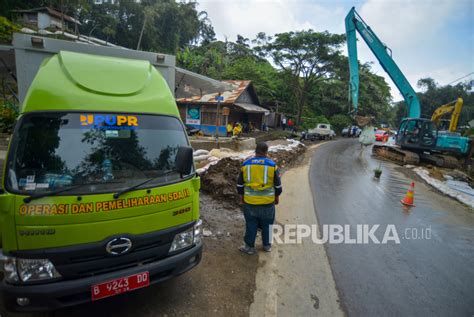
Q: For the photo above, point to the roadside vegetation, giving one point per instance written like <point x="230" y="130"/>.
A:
<point x="302" y="73"/>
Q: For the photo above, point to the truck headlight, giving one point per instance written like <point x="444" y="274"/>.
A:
<point x="31" y="270"/>
<point x="198" y="232"/>
<point x="182" y="240"/>
<point x="9" y="270"/>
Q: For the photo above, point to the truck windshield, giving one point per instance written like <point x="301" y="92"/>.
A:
<point x="102" y="152"/>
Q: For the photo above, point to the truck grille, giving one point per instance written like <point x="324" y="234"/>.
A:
<point x="92" y="259"/>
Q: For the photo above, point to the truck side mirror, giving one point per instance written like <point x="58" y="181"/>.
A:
<point x="184" y="160"/>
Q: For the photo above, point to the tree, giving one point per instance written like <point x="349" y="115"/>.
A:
<point x="100" y="22"/>
<point x="427" y="83"/>
<point x="374" y="94"/>
<point x="262" y="74"/>
<point x="307" y="56"/>
<point x="340" y="121"/>
<point x="435" y="95"/>
<point x="151" y="25"/>
<point x="7" y="5"/>
<point x="206" y="30"/>
<point x="208" y="60"/>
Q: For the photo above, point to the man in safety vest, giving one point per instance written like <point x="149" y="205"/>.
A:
<point x="229" y="129"/>
<point x="237" y="129"/>
<point x="259" y="186"/>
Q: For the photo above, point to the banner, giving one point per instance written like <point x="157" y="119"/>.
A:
<point x="193" y="115"/>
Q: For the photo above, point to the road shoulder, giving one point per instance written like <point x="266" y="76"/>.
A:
<point x="296" y="279"/>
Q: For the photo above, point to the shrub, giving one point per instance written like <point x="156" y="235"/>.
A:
<point x="310" y="123"/>
<point x="9" y="113"/>
<point x="6" y="30"/>
<point x="339" y="122"/>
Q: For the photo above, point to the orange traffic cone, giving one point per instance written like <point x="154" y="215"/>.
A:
<point x="410" y="196"/>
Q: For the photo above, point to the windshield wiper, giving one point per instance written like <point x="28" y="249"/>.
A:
<point x="133" y="187"/>
<point x="54" y="192"/>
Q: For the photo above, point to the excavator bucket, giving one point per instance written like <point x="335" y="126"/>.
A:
<point x="362" y="121"/>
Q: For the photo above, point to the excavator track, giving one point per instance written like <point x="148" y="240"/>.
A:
<point x="441" y="160"/>
<point x="394" y="153"/>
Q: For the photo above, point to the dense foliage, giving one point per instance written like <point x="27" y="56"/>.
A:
<point x="302" y="73"/>
<point x="434" y="96"/>
<point x="6" y="30"/>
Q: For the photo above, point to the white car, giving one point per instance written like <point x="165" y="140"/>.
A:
<point x="322" y="132"/>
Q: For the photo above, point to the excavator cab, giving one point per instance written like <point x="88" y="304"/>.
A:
<point x="417" y="134"/>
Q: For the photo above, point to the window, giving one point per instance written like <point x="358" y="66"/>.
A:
<point x="209" y="118"/>
<point x="55" y="150"/>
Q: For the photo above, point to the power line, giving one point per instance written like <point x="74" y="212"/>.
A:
<point x="461" y="78"/>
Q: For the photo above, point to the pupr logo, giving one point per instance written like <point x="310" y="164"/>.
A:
<point x="111" y="120"/>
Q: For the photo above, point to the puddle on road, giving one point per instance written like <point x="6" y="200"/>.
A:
<point x="393" y="183"/>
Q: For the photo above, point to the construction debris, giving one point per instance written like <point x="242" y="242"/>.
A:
<point x="219" y="176"/>
<point x="447" y="185"/>
<point x="367" y="136"/>
<point x="435" y="173"/>
<point x="206" y="233"/>
<point x="220" y="179"/>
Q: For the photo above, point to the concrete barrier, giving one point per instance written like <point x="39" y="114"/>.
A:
<point x="209" y="143"/>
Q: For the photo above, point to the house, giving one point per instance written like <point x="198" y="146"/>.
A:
<point x="45" y="17"/>
<point x="241" y="100"/>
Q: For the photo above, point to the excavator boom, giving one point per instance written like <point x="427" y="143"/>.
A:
<point x="355" y="23"/>
<point x="416" y="136"/>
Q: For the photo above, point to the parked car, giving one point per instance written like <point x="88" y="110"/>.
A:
<point x="190" y="130"/>
<point x="321" y="132"/>
<point x="381" y="135"/>
<point x="345" y="131"/>
<point x="350" y="130"/>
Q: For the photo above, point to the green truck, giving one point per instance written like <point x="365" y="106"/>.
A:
<point x="99" y="196"/>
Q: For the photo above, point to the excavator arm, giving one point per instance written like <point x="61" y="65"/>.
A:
<point x="453" y="107"/>
<point x="415" y="135"/>
<point x="355" y="23"/>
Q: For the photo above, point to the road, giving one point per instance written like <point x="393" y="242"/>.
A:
<point x="295" y="279"/>
<point x="432" y="276"/>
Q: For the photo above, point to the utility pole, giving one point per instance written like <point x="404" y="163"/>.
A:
<point x="218" y="98"/>
<point x="141" y="32"/>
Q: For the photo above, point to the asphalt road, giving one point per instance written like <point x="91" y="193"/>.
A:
<point x="432" y="275"/>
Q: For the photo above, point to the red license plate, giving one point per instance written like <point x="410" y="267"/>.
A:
<point x="120" y="285"/>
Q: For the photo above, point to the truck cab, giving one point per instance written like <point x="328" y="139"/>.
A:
<point x="100" y="195"/>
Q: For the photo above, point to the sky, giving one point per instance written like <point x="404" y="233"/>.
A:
<point x="428" y="38"/>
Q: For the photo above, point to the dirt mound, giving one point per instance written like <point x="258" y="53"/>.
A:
<point x="284" y="158"/>
<point x="435" y="173"/>
<point x="220" y="179"/>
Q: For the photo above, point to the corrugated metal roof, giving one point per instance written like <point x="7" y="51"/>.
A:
<point x="230" y="96"/>
<point x="248" y="107"/>
<point x="189" y="84"/>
